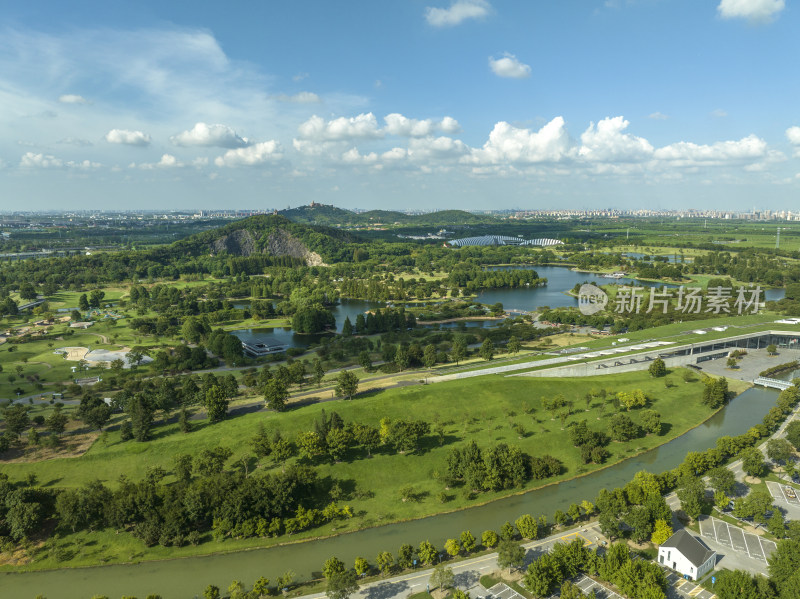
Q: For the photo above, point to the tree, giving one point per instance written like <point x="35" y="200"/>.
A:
<point x="16" y="418"/>
<point x="429" y="356"/>
<point x="657" y="368"/>
<point x="661" y="532"/>
<point x="622" y="428"/>
<point x="489" y="538"/>
<point x="507" y="531"/>
<point x="510" y="554"/>
<point x="211" y="461"/>
<point x="261" y="587"/>
<point x="365" y="360"/>
<point x="342" y="585"/>
<point x="318" y="371"/>
<point x="543" y="576"/>
<point x="183" y="467"/>
<point x="692" y="493"/>
<point x="141" y="414"/>
<point x="83" y="303"/>
<point x="346" y="384"/>
<point x="793" y="433"/>
<point x="402" y="358"/>
<point x="784" y="561"/>
<point x="216" y="404"/>
<point x="275" y="394"/>
<point x="731" y="363"/>
<point x="468" y="541"/>
<point x="405" y="556"/>
<point x="442" y="577"/>
<point x="96" y="297"/>
<point x="459" y="350"/>
<point x="738" y="584"/>
<point x="772" y="349"/>
<point x="333" y="565"/>
<point x="385" y="562"/>
<point x="347" y="327"/>
<point x="632" y="399"/>
<point x="779" y="450"/>
<point x="651" y="421"/>
<point x="453" y="547"/>
<point x="722" y="479"/>
<point x="361" y="566"/>
<point x="427" y="553"/>
<point x="56" y="423"/>
<point x="183" y="421"/>
<point x="487" y="349"/>
<point x="211" y="592"/>
<point x="513" y="345"/>
<point x="753" y="462"/>
<point x="638" y="519"/>
<point x="527" y="526"/>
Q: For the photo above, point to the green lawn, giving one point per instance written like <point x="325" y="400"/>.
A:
<point x="484" y="409"/>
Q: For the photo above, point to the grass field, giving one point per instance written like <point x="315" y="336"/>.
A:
<point x="487" y="410"/>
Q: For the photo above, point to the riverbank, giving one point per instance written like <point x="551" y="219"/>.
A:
<point x="464" y="410"/>
<point x="187" y="577"/>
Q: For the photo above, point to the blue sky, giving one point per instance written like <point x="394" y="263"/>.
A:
<point x="400" y="104"/>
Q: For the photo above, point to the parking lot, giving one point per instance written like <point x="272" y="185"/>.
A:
<point x="783" y="493"/>
<point x="586" y="585"/>
<point x="737" y="539"/>
<point x="503" y="591"/>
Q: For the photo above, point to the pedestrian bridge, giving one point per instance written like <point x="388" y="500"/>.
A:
<point x="772" y="383"/>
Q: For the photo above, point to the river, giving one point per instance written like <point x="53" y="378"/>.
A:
<point x="186" y="578"/>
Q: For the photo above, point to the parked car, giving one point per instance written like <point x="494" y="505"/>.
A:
<point x="789" y="492"/>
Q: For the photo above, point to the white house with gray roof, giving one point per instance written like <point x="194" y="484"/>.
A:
<point x="686" y="555"/>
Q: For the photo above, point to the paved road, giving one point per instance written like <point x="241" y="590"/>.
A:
<point x="467" y="572"/>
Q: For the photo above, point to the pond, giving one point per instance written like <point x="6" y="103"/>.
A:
<point x="285" y="336"/>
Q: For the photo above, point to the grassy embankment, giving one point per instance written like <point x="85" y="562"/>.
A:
<point x="467" y="410"/>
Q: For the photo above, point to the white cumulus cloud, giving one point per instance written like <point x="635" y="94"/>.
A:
<point x="752" y="10"/>
<point x="202" y="134"/>
<point x="509" y="144"/>
<point x="363" y="126"/>
<point x="509" y="66"/>
<point x="259" y="153"/>
<point x="34" y="160"/>
<point x="457" y="12"/>
<point x="397" y="124"/>
<point x="73" y="99"/>
<point x="352" y="156"/>
<point x="686" y="153"/>
<point x="607" y="142"/>
<point x="130" y="138"/>
<point x="793" y="135"/>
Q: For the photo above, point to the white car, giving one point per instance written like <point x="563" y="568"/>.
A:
<point x="789" y="492"/>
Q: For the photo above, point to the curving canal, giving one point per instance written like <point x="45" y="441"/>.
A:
<point x="186" y="578"/>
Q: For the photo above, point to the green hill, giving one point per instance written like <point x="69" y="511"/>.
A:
<point x="270" y="234"/>
<point x="320" y="214"/>
<point x="323" y="214"/>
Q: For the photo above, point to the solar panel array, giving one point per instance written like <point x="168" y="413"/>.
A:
<point x="503" y="240"/>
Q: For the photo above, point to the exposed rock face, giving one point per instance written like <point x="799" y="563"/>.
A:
<point x="279" y="243"/>
<point x="238" y="243"/>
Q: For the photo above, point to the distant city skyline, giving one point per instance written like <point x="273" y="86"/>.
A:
<point x="419" y="104"/>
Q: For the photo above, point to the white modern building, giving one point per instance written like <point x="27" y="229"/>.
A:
<point x="686" y="555"/>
